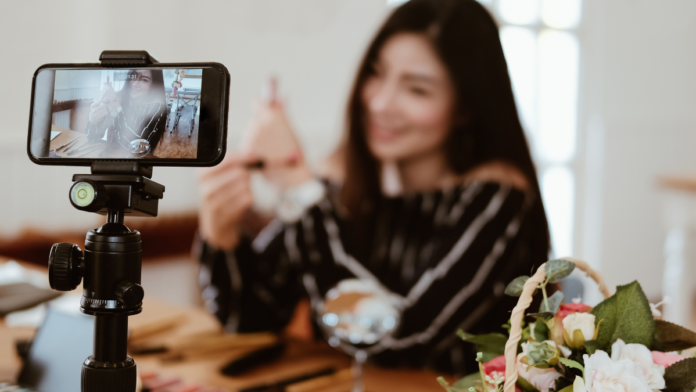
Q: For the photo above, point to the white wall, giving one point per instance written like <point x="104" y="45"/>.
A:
<point x="311" y="45"/>
<point x="638" y="97"/>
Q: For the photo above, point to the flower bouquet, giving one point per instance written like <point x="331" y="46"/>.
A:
<point x="616" y="346"/>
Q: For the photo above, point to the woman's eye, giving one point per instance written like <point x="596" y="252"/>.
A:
<point x="418" y="90"/>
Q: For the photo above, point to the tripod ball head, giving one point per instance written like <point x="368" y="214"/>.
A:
<point x="65" y="266"/>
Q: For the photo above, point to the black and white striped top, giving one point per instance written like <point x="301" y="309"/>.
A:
<point x="447" y="255"/>
<point x="140" y="121"/>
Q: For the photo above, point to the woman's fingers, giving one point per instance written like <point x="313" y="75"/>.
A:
<point x="97" y="113"/>
<point x="225" y="199"/>
<point x="224" y="181"/>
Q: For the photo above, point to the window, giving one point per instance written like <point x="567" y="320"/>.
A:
<point x="543" y="55"/>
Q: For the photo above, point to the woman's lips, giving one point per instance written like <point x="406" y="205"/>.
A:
<point x="382" y="134"/>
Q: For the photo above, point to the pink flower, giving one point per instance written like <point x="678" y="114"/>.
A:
<point x="665" y="359"/>
<point x="496" y="364"/>
<point x="568" y="309"/>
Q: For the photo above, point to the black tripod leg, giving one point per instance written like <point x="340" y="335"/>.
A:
<point x="110" y="369"/>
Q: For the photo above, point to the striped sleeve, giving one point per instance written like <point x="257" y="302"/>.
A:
<point x="250" y="291"/>
<point x="257" y="286"/>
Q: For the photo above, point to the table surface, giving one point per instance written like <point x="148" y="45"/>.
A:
<point x="300" y="356"/>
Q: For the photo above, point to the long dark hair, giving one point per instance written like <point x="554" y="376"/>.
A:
<point x="156" y="93"/>
<point x="466" y="39"/>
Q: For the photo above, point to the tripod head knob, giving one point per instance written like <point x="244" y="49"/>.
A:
<point x="130" y="293"/>
<point x="65" y="264"/>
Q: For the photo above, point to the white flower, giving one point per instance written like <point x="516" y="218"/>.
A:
<point x="541" y="379"/>
<point x="642" y="357"/>
<point x="604" y="375"/>
<point x="583" y="322"/>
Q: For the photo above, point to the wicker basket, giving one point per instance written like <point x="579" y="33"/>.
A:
<point x="522" y="305"/>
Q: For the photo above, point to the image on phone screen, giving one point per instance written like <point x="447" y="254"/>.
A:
<point x="126" y="113"/>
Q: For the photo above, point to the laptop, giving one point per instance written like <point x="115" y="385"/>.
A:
<point x="54" y="361"/>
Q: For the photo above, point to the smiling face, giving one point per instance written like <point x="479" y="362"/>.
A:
<point x="141" y="85"/>
<point x="408" y="100"/>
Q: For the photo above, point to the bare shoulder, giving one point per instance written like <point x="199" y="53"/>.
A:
<point x="498" y="171"/>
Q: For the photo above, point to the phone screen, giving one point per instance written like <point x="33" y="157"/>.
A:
<point x="149" y="113"/>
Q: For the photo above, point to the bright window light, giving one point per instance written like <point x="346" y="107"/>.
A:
<point x="520" y="47"/>
<point x="395" y="3"/>
<point x="520" y="12"/>
<point x="561" y="14"/>
<point x="558" y="90"/>
<point x="558" y="192"/>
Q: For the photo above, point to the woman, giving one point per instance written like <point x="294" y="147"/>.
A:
<point x="432" y="101"/>
<point x="132" y="120"/>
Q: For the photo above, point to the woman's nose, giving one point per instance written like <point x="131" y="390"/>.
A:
<point x="383" y="97"/>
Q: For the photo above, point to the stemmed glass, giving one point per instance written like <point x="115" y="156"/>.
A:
<point x="355" y="315"/>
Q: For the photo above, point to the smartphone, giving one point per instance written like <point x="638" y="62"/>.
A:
<point x="156" y="114"/>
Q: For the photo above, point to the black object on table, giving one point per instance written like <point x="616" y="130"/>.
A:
<point x="281" y="384"/>
<point x="253" y="359"/>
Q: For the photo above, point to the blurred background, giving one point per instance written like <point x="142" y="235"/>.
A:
<point x="606" y="91"/>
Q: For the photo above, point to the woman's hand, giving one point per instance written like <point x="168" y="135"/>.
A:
<point x="271" y="138"/>
<point x="225" y="198"/>
<point x="97" y="112"/>
<point x="108" y="96"/>
<point x="103" y="106"/>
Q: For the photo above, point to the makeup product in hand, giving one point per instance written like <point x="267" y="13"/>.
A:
<point x="289" y="161"/>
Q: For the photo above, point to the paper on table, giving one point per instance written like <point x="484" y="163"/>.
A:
<point x="54" y="134"/>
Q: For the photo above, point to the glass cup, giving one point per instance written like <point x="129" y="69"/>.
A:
<point x="355" y="315"/>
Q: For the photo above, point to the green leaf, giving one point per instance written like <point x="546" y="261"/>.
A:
<point x="554" y="301"/>
<point x="452" y="388"/>
<point x="591" y="346"/>
<point x="672" y="337"/>
<point x="681" y="376"/>
<point x="514" y="288"/>
<point x="490" y="343"/>
<point x="525" y="385"/>
<point x="569" y="388"/>
<point x="572" y="364"/>
<point x="472" y="380"/>
<point x="541" y="331"/>
<point x="625" y="315"/>
<point x="557" y="270"/>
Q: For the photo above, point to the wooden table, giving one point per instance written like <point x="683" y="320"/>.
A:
<point x="300" y="356"/>
<point x="81" y="144"/>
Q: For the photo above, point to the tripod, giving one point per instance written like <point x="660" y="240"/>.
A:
<point x="110" y="266"/>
